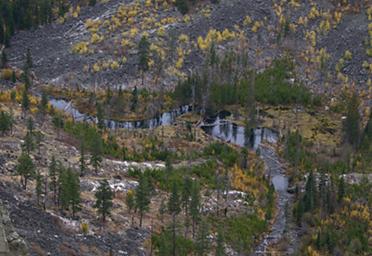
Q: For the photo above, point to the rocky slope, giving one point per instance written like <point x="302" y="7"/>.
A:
<point x="99" y="47"/>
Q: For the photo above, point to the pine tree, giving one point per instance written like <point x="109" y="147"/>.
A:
<point x="100" y="117"/>
<point x="14" y="77"/>
<point x="69" y="195"/>
<point x="30" y="125"/>
<point x="43" y="104"/>
<point x="134" y="100"/>
<point x="82" y="158"/>
<point x="185" y="199"/>
<point x="130" y="200"/>
<point x="104" y="197"/>
<point x="143" y="51"/>
<point x="299" y="211"/>
<point x="25" y="168"/>
<point x="202" y="243"/>
<point x="341" y="189"/>
<point x="174" y="208"/>
<point x="310" y="193"/>
<point x="142" y="197"/>
<point x="4" y="59"/>
<point x="162" y="210"/>
<point x="195" y="206"/>
<point x="182" y="6"/>
<point x="39" y="187"/>
<point x="6" y="122"/>
<point x="96" y="154"/>
<point x="2" y="32"/>
<point x="220" y="250"/>
<point x="53" y="174"/>
<point x="28" y="144"/>
<point x="352" y="122"/>
<point x="58" y="122"/>
<point x="25" y="101"/>
<point x="29" y="62"/>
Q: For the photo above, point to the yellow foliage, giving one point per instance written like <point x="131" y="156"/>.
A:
<point x="124" y="42"/>
<point x="337" y="17"/>
<point x="96" y="67"/>
<point x="325" y="26"/>
<point x="369" y="13"/>
<point x="186" y="19"/>
<point x="161" y="31"/>
<point x="96" y="38"/>
<point x="114" y="65"/>
<point x="92" y="25"/>
<point x="243" y="182"/>
<point x="76" y="13"/>
<point x="133" y="32"/>
<point x="314" y="13"/>
<point x="295" y="3"/>
<point x="6" y="73"/>
<point x="348" y="55"/>
<point x="150" y="63"/>
<point x="247" y="20"/>
<point x="81" y="48"/>
<point x="256" y="26"/>
<point x="311" y="252"/>
<point x="311" y="36"/>
<point x="302" y="21"/>
<point x="183" y="38"/>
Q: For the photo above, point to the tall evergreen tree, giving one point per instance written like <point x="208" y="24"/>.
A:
<point x="130" y="200"/>
<point x="39" y="187"/>
<point x="195" y="206"/>
<point x="25" y="168"/>
<point x="174" y="208"/>
<point x="352" y="122"/>
<point x="143" y="51"/>
<point x="96" y="154"/>
<point x="4" y="59"/>
<point x="69" y="191"/>
<point x="104" y="197"/>
<point x="100" y="117"/>
<point x="341" y="189"/>
<point x="25" y="101"/>
<point x="185" y="199"/>
<point x="134" y="100"/>
<point x="202" y="243"/>
<point x="82" y="158"/>
<point x="43" y="105"/>
<point x="6" y="122"/>
<point x="29" y="62"/>
<point x="310" y="193"/>
<point x="53" y="175"/>
<point x="142" y="197"/>
<point x="28" y="143"/>
<point x="220" y="250"/>
<point x="182" y="6"/>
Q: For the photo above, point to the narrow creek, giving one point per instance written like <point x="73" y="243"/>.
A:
<point x="166" y="118"/>
<point x="262" y="139"/>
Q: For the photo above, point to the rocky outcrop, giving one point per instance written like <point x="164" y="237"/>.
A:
<point x="11" y="243"/>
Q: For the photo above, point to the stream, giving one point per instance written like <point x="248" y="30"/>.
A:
<point x="218" y="127"/>
<point x="166" y="118"/>
<point x="260" y="140"/>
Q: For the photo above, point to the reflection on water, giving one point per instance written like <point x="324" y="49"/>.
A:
<point x="230" y="132"/>
<point x="165" y="118"/>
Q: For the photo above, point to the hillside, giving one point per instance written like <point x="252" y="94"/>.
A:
<point x="99" y="46"/>
<point x="185" y="127"/>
